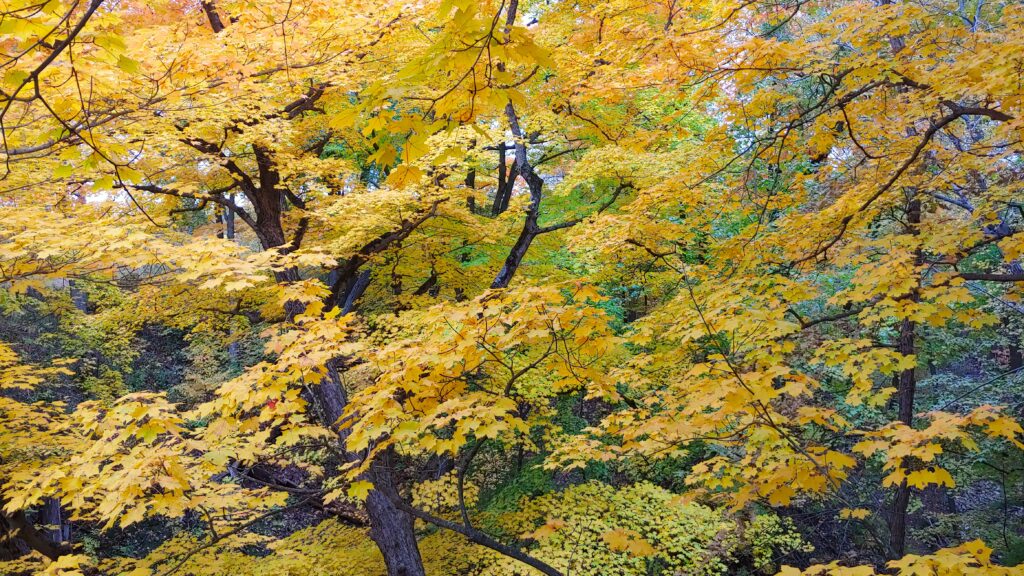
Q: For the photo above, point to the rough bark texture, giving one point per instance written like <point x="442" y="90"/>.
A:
<point x="907" y="387"/>
<point x="56" y="529"/>
<point x="391" y="528"/>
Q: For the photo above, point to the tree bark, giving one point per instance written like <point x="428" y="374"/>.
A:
<point x="55" y="529"/>
<point x="18" y="536"/>
<point x="905" y="398"/>
<point x="531" y="229"/>
<point x="360" y="286"/>
<point x="391" y="528"/>
<point x="229" y="220"/>
<point x="506" y="181"/>
<point x="211" y="14"/>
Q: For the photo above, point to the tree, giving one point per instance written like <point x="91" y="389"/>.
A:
<point x="494" y="260"/>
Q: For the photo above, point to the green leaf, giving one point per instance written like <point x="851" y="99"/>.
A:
<point x="128" y="65"/>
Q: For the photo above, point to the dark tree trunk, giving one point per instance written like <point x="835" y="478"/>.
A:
<point x="348" y="283"/>
<point x="331" y="397"/>
<point x="271" y="233"/>
<point x="531" y="228"/>
<point x="268" y="221"/>
<point x="229" y="220"/>
<point x="211" y="14"/>
<point x="27" y="538"/>
<point x="510" y="182"/>
<point x="518" y="252"/>
<point x="55" y="529"/>
<point x="905" y="401"/>
<point x="11" y="546"/>
<point x="391" y="528"/>
<point x="471" y="185"/>
<point x="360" y="286"/>
<point x="506" y="181"/>
<point x="496" y="207"/>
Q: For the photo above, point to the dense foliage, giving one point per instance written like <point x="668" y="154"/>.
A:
<point x="509" y="287"/>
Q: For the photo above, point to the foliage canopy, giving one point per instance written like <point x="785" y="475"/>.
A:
<point x="511" y="287"/>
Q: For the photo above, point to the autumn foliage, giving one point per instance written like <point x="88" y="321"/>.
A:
<point x="511" y="287"/>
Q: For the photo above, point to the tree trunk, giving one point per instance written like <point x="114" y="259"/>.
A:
<point x="211" y="14"/>
<point x="518" y="251"/>
<point x="905" y="400"/>
<point x="531" y="228"/>
<point x="471" y="185"/>
<point x="391" y="528"/>
<point x="506" y="180"/>
<point x="269" y="229"/>
<point x="360" y="286"/>
<point x="18" y="536"/>
<point x="271" y="235"/>
<point x="55" y="529"/>
<point x="11" y="546"/>
<point x="229" y="220"/>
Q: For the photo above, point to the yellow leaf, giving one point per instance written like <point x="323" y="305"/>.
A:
<point x="128" y="65"/>
<point x="360" y="489"/>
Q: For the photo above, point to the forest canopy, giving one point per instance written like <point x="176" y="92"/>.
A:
<point x="512" y="287"/>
